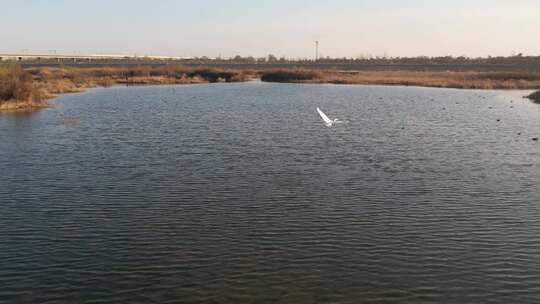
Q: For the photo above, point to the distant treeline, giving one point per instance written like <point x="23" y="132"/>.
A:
<point x="369" y="63"/>
<point x="368" y="59"/>
<point x="271" y="60"/>
<point x="361" y="63"/>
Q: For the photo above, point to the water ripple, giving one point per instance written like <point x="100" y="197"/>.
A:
<point x="238" y="194"/>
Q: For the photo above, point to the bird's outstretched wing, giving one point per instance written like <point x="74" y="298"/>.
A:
<point x="324" y="117"/>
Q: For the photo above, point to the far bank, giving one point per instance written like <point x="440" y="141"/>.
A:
<point x="29" y="89"/>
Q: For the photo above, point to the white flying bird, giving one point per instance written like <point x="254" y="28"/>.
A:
<point x="327" y="121"/>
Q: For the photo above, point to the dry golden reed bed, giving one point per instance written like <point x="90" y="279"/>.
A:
<point x="461" y="80"/>
<point x="18" y="90"/>
<point x="22" y="90"/>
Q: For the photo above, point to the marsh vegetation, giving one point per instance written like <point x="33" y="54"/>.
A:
<point x="461" y="80"/>
<point x="28" y="89"/>
<point x="18" y="89"/>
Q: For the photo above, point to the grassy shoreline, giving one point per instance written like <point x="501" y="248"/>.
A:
<point x="457" y="80"/>
<point x="27" y="90"/>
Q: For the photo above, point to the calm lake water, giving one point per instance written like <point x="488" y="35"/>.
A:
<point x="238" y="193"/>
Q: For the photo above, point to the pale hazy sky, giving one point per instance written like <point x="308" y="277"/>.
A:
<point x="281" y="27"/>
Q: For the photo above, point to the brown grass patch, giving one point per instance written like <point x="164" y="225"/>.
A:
<point x="108" y="76"/>
<point x="20" y="106"/>
<point x="461" y="80"/>
<point x="17" y="85"/>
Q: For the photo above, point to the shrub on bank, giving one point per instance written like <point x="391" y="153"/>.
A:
<point x="290" y="75"/>
<point x="535" y="97"/>
<point x="17" y="85"/>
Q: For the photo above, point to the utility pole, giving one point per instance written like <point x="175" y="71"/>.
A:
<point x="316" y="50"/>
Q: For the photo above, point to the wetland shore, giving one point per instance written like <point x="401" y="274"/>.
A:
<point x="30" y="89"/>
